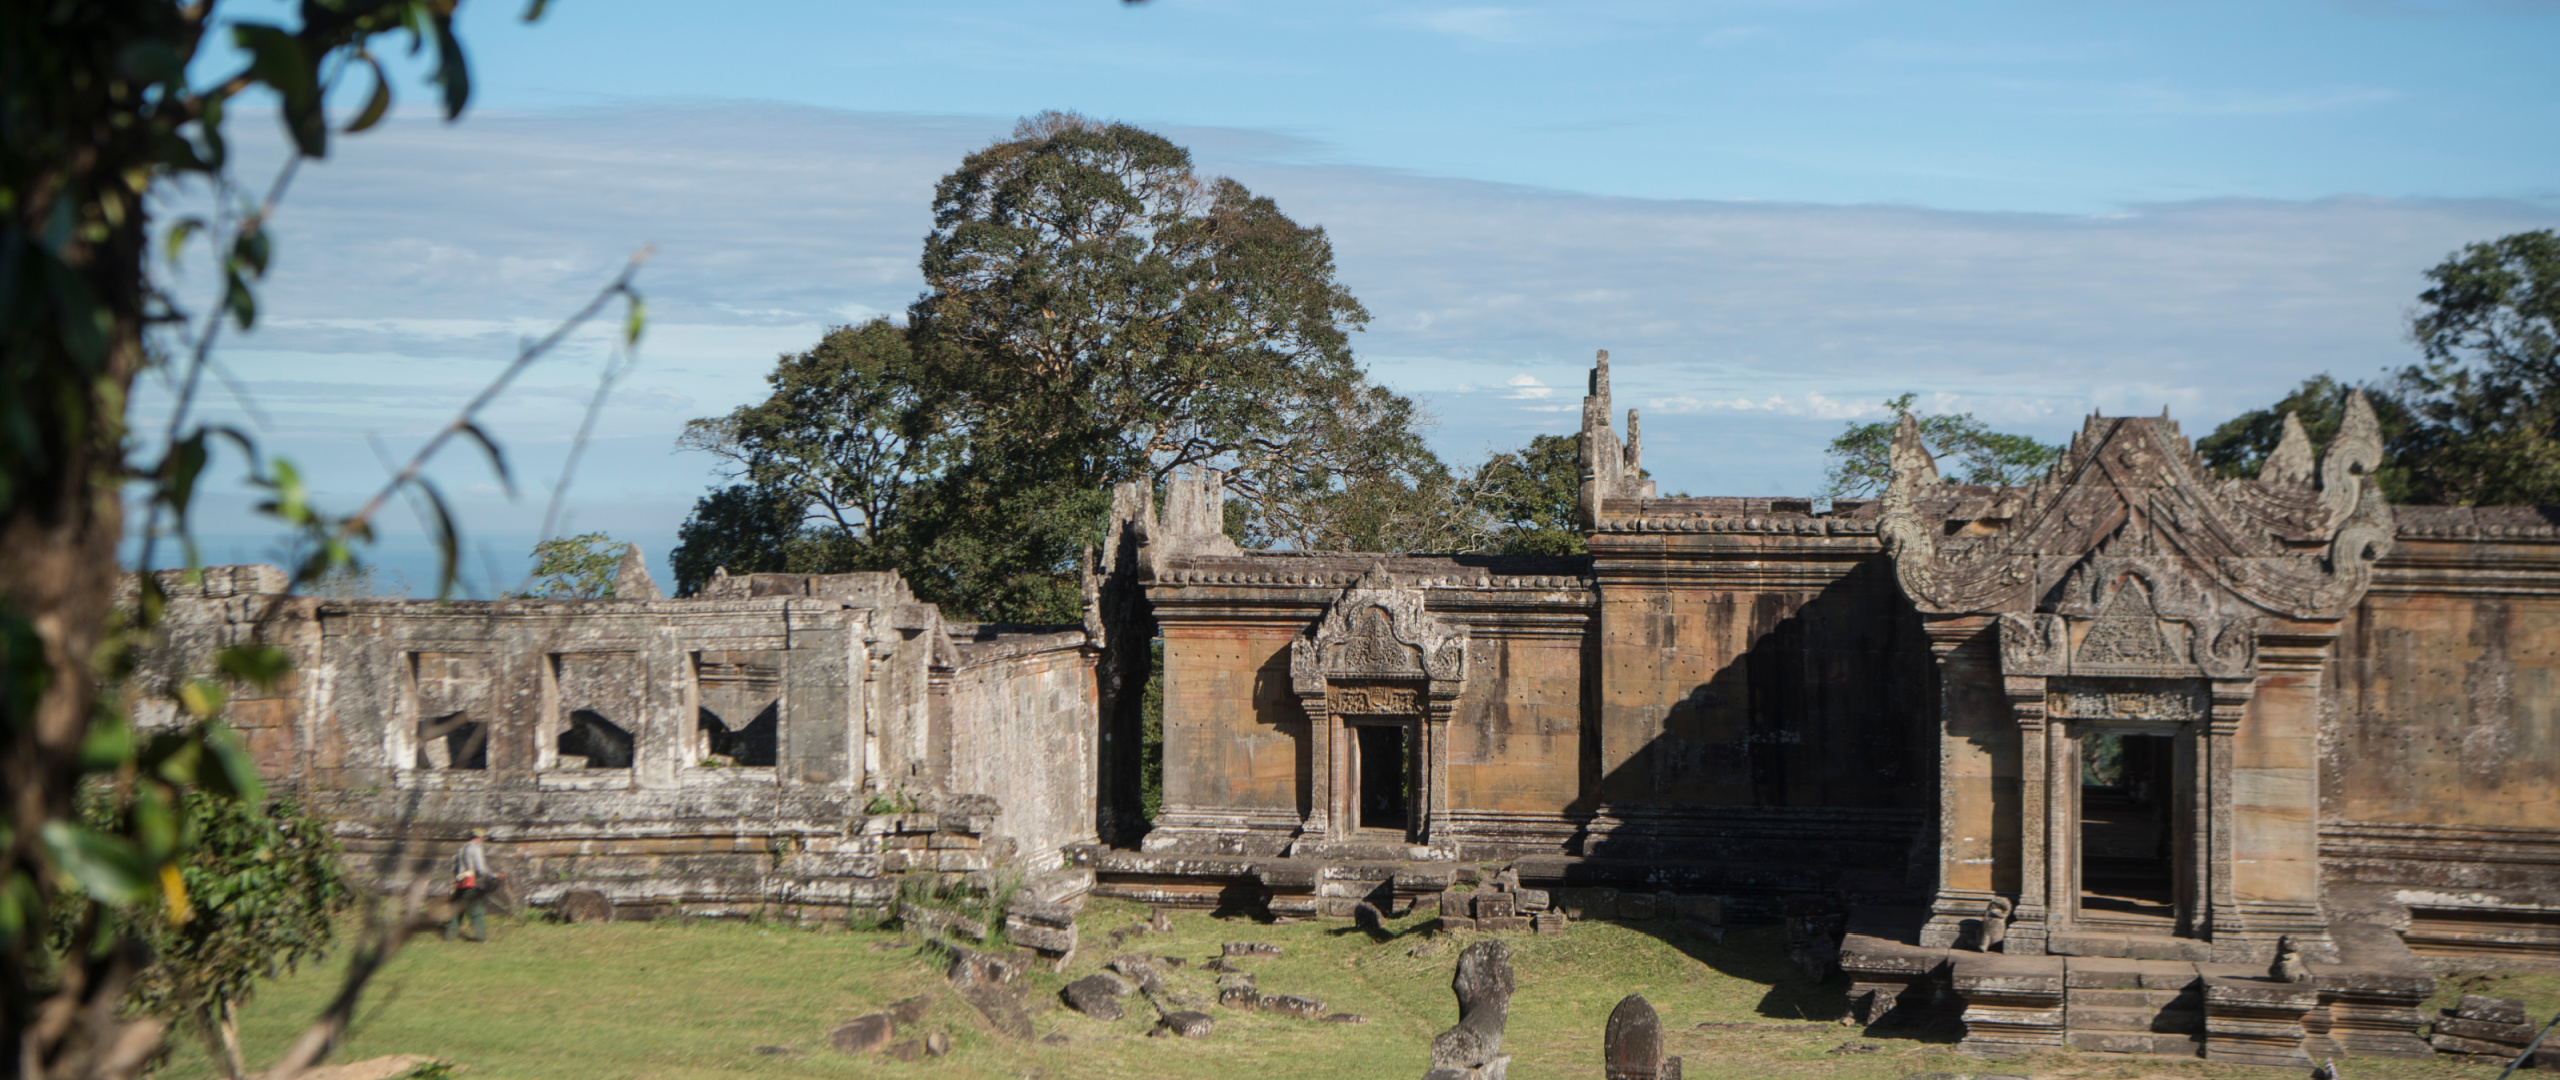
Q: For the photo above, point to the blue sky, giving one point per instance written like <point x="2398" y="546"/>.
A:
<point x="1773" y="214"/>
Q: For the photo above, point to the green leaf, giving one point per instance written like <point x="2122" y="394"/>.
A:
<point x="448" y="539"/>
<point x="237" y="775"/>
<point x="153" y="60"/>
<point x="277" y="59"/>
<point x="181" y="231"/>
<point x="379" y="103"/>
<point x="108" y="745"/>
<point x="453" y="71"/>
<point x="110" y="868"/>
<point x="262" y="666"/>
<point x="497" y="457"/>
<point x="634" y="320"/>
<point x="533" y="10"/>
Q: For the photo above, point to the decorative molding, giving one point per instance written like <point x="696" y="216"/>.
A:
<point x="1377" y="630"/>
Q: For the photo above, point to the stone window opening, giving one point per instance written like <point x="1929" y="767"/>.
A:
<point x="594" y="742"/>
<point x="595" y="702"/>
<point x="452" y="741"/>
<point x="2128" y="794"/>
<point x="756" y="745"/>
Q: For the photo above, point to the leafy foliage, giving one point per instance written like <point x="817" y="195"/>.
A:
<point x="101" y="116"/>
<point x="2485" y="401"/>
<point x="575" y="567"/>
<point x="1968" y="451"/>
<point x="1096" y="313"/>
<point x="264" y="889"/>
<point x="2242" y="443"/>
<point x="1531" y="495"/>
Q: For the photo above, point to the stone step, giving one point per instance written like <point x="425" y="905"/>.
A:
<point x="2086" y="1018"/>
<point x="2154" y="1000"/>
<point x="2138" y="1042"/>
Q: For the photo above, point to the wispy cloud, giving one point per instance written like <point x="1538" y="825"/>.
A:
<point x="1751" y="330"/>
<point x="1480" y="25"/>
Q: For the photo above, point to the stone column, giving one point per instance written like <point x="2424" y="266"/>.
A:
<point x="2044" y="810"/>
<point x="661" y="739"/>
<point x="1434" y="755"/>
<point x="1977" y="776"/>
<point x="1321" y="724"/>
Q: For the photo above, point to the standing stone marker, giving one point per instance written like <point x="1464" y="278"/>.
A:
<point x="1631" y="1046"/>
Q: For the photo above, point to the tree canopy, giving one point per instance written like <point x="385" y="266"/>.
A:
<point x="2241" y="444"/>
<point x="2477" y="420"/>
<point x="1967" y="449"/>
<point x="1096" y="312"/>
<point x="2485" y="400"/>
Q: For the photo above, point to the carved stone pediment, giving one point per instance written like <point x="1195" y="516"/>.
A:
<point x="2129" y="506"/>
<point x="1377" y="631"/>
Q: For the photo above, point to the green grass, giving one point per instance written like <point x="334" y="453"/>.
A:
<point x="676" y="999"/>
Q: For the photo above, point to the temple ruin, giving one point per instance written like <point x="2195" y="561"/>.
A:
<point x="2071" y="763"/>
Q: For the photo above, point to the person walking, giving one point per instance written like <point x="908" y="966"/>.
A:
<point x="472" y="880"/>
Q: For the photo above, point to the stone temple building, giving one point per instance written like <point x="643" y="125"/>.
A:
<point x="2070" y="763"/>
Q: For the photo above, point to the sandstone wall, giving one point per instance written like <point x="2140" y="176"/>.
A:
<point x="2440" y="765"/>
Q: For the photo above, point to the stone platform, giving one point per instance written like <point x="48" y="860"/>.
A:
<point x="2364" y="1005"/>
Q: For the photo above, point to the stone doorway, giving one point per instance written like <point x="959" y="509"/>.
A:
<point x="1382" y="768"/>
<point x="2129" y="797"/>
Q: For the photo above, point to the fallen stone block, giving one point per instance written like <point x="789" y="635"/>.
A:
<point x="2515" y="1035"/>
<point x="1288" y="1005"/>
<point x="2494" y="1010"/>
<point x="1532" y="900"/>
<point x="1492" y="905"/>
<point x="1043" y="938"/>
<point x="1504" y="924"/>
<point x="1248" y="948"/>
<point x="1456" y="922"/>
<point x="1002" y="1007"/>
<point x="1095" y="995"/>
<point x="1186" y="1024"/>
<point x="1346" y="1018"/>
<point x="1550" y="923"/>
<point x="583" y="906"/>
<point x="976" y="965"/>
<point x="863" y="1034"/>
<point x="909" y="1011"/>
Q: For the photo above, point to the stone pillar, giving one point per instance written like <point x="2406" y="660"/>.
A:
<point x="1433" y="815"/>
<point x="2044" y="850"/>
<point x="1322" y="763"/>
<point x="662" y="738"/>
<point x="1978" y="818"/>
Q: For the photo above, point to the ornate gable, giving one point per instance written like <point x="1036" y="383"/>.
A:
<point x="1377" y="629"/>
<point x="2130" y="534"/>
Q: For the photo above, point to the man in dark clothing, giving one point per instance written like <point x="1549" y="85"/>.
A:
<point x="472" y="880"/>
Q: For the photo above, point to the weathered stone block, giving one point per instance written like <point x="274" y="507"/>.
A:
<point x="863" y="1034"/>
<point x="2494" y="1010"/>
<point x="584" y="906"/>
<point x="1636" y="907"/>
<point x="1531" y="901"/>
<point x="1097" y="995"/>
<point x="1290" y="1005"/>
<point x="1492" y="905"/>
<point x="1186" y="1024"/>
<point x="2515" y="1035"/>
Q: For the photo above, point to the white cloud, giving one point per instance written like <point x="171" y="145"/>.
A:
<point x="1753" y="329"/>
<point x="1527" y="387"/>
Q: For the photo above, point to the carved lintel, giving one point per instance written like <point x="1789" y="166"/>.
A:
<point x="2034" y="644"/>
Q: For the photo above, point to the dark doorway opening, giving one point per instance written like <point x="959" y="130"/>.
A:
<point x="1385" y="777"/>
<point x="2128" y="801"/>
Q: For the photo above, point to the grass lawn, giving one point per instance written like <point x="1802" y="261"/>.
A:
<point x="675" y="999"/>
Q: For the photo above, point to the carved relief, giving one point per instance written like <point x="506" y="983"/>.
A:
<point x="1377" y="630"/>
<point x="2168" y="565"/>
<point x="2098" y="699"/>
<point x="2128" y="632"/>
<point x="1354" y="699"/>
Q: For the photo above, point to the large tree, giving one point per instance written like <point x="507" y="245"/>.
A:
<point x="2241" y="444"/>
<point x="2485" y="401"/>
<point x="1096" y="313"/>
<point x="1977" y="454"/>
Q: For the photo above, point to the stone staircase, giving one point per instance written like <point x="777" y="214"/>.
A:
<point x="2134" y="1007"/>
